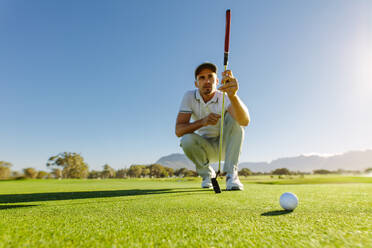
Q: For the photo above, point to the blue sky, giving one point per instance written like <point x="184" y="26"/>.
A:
<point x="105" y="78"/>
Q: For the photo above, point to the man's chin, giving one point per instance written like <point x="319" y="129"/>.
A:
<point x="208" y="92"/>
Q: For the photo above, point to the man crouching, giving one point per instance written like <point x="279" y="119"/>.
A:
<point x="204" y="106"/>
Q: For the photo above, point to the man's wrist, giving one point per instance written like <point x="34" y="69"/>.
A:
<point x="202" y="122"/>
<point x="233" y="97"/>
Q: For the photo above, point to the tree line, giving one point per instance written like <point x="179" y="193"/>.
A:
<point x="72" y="165"/>
<point x="142" y="171"/>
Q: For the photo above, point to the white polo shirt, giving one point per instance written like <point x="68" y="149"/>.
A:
<point x="194" y="104"/>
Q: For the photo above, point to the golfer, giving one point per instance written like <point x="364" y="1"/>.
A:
<point x="200" y="138"/>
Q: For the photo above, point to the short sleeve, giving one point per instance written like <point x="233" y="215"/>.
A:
<point x="186" y="103"/>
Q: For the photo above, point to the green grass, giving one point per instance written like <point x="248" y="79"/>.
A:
<point x="177" y="213"/>
<point x="309" y="179"/>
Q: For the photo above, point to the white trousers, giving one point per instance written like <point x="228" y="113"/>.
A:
<point x="203" y="151"/>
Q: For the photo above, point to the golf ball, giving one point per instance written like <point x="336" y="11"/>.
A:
<point x="288" y="201"/>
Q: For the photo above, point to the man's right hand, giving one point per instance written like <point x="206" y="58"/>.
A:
<point x="211" y="119"/>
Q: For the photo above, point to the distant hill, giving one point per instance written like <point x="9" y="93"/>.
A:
<point x="176" y="161"/>
<point x="352" y="160"/>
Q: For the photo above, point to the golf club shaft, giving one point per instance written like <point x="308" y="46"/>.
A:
<point x="225" y="62"/>
<point x="221" y="131"/>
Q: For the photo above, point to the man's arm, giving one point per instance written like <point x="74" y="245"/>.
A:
<point x="183" y="125"/>
<point x="237" y="109"/>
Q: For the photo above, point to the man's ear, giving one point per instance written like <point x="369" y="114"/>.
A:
<point x="196" y="84"/>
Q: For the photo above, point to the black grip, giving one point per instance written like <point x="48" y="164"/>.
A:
<point x="225" y="58"/>
<point x="216" y="186"/>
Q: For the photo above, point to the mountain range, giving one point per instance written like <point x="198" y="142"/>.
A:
<point x="352" y="160"/>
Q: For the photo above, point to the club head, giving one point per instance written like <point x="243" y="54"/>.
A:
<point x="216" y="186"/>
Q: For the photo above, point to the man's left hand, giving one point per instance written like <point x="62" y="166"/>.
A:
<point x="229" y="83"/>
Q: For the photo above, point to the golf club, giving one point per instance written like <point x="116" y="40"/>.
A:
<point x="216" y="186"/>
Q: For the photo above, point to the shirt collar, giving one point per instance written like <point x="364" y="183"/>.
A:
<point x="200" y="98"/>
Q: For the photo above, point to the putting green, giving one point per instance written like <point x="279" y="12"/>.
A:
<point x="177" y="213"/>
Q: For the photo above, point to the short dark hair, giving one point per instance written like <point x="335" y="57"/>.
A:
<point x="206" y="65"/>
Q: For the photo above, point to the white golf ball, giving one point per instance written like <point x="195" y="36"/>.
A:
<point x="288" y="201"/>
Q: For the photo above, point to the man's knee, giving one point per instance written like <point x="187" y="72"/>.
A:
<point x="233" y="126"/>
<point x="188" y="140"/>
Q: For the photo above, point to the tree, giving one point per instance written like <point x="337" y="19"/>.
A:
<point x="245" y="172"/>
<point x="72" y="163"/>
<point x="30" y="172"/>
<point x="16" y="174"/>
<point x="57" y="173"/>
<point x="145" y="172"/>
<point x="135" y="170"/>
<point x="170" y="171"/>
<point x="122" y="173"/>
<point x="157" y="170"/>
<point x="42" y="174"/>
<point x="322" y="171"/>
<point x="181" y="172"/>
<point x="368" y="170"/>
<point x="5" y="169"/>
<point x="191" y="173"/>
<point x="281" y="171"/>
<point x="164" y="173"/>
<point x="108" y="172"/>
<point x="94" y="174"/>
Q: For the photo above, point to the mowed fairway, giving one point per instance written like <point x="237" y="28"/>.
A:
<point x="177" y="213"/>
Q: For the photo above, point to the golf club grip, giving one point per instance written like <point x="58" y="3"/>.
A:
<point x="216" y="186"/>
<point x="227" y="37"/>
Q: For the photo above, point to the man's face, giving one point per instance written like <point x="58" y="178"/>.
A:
<point x="206" y="82"/>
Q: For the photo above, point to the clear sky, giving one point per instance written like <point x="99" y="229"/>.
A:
<point x="105" y="78"/>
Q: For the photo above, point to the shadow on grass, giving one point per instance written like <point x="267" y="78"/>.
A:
<point x="275" y="182"/>
<point x="55" y="196"/>
<point x="15" y="206"/>
<point x="276" y="212"/>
